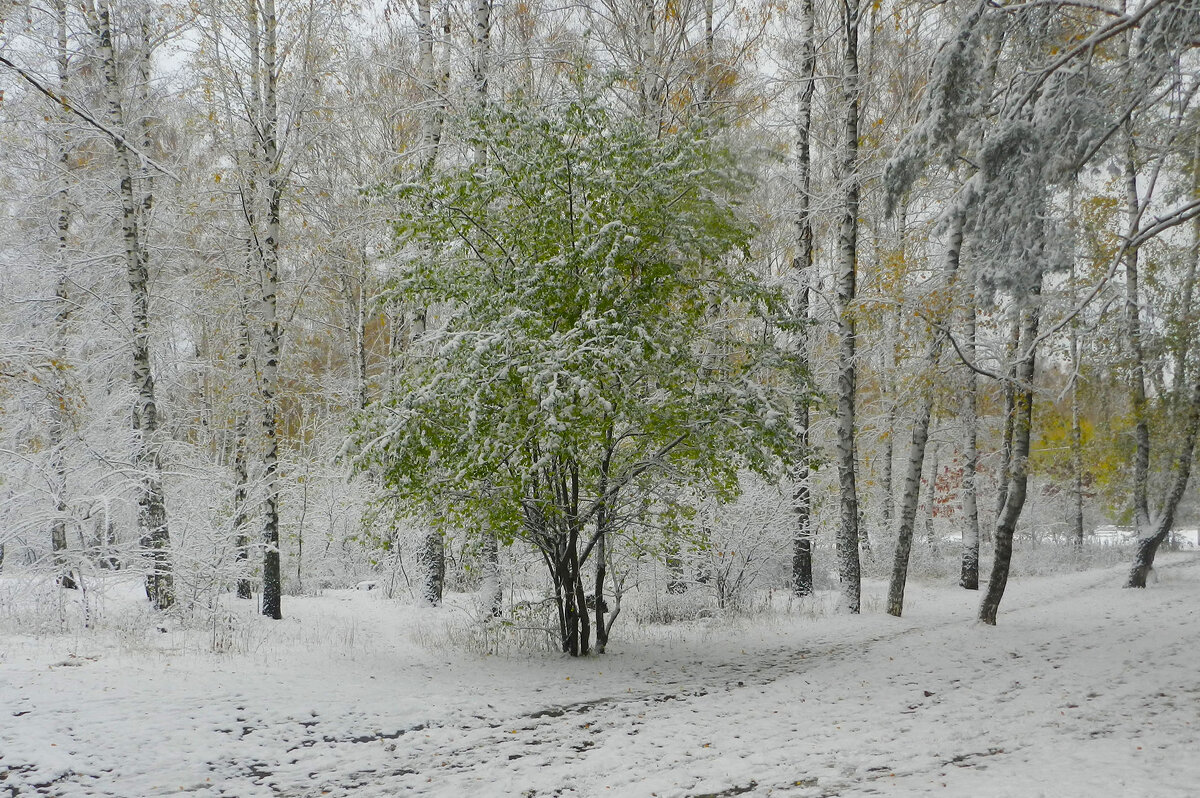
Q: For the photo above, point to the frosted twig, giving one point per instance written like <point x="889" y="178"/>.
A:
<point x="116" y="137"/>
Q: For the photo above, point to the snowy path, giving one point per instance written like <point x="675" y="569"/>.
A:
<point x="1084" y="689"/>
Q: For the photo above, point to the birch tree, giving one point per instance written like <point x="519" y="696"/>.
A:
<point x="920" y="433"/>
<point x="136" y="203"/>
<point x="57" y="393"/>
<point x="849" y="569"/>
<point x="1059" y="117"/>
<point x="803" y="264"/>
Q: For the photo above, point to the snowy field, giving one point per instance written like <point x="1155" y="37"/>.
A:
<point x="1084" y="689"/>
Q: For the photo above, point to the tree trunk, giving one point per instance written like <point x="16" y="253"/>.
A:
<point x="426" y="74"/>
<point x="1149" y="544"/>
<point x="1018" y="470"/>
<point x="888" y="503"/>
<point x="1076" y="440"/>
<point x="356" y="293"/>
<point x="272" y="605"/>
<point x="1137" y="377"/>
<point x="802" y="265"/>
<point x="1188" y="322"/>
<point x="1010" y="415"/>
<point x="601" y="562"/>
<point x="152" y="515"/>
<point x="920" y="437"/>
<point x="57" y="470"/>
<point x="969" y="575"/>
<point x="481" y="33"/>
<point x="570" y="596"/>
<point x="241" y="473"/>
<point x="931" y="503"/>
<point x="551" y="514"/>
<point x="583" y="622"/>
<point x="908" y="508"/>
<point x="493" y="590"/>
<point x="433" y="553"/>
<point x="600" y="546"/>
<point x="849" y="569"/>
<point x="646" y="71"/>
<point x="676" y="582"/>
<point x="433" y="560"/>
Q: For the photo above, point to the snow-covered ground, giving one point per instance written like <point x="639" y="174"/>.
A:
<point x="1084" y="689"/>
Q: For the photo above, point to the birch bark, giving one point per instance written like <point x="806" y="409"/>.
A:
<point x="1018" y="469"/>
<point x="152" y="516"/>
<point x="849" y="568"/>
<point x="57" y="392"/>
<point x="969" y="573"/>
<point x="920" y="438"/>
<point x="802" y="265"/>
<point x="269" y="282"/>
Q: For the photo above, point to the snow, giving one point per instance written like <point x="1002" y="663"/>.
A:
<point x="1083" y="689"/>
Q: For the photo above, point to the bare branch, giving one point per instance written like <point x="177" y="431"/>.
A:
<point x="117" y="138"/>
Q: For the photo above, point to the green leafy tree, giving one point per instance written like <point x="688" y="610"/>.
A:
<point x="602" y="333"/>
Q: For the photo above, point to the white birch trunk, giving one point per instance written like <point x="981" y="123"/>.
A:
<point x="1133" y="331"/>
<point x="849" y="569"/>
<point x="481" y="31"/>
<point x="241" y="471"/>
<point x="920" y="438"/>
<point x="272" y="576"/>
<point x="57" y="389"/>
<point x="152" y="516"/>
<point x="428" y="77"/>
<point x="969" y="574"/>
<point x="802" y="537"/>
<point x="1018" y="468"/>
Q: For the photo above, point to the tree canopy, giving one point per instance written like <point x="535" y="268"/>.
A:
<point x="601" y="325"/>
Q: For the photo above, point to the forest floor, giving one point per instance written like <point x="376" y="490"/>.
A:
<point x="1084" y="689"/>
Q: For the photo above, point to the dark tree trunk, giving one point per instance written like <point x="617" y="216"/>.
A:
<point x="601" y="607"/>
<point x="908" y="511"/>
<point x="433" y="560"/>
<point x="551" y="516"/>
<point x="571" y="597"/>
<point x="240" y="519"/>
<point x="676" y="583"/>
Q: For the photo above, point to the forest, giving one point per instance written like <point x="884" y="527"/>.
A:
<point x="591" y="301"/>
<point x="527" y="329"/>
